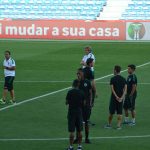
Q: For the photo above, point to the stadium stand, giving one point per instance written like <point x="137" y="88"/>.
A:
<point x="51" y="9"/>
<point x="113" y="9"/>
<point x="126" y="10"/>
<point x="137" y="10"/>
<point x="75" y="9"/>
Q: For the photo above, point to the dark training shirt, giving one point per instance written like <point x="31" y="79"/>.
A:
<point x="85" y="87"/>
<point x="131" y="80"/>
<point x="118" y="82"/>
<point x="88" y="74"/>
<point x="75" y="99"/>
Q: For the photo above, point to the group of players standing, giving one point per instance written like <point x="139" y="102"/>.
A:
<point x="80" y="99"/>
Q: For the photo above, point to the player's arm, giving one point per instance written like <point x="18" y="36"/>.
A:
<point x="90" y="96"/>
<point x="124" y="93"/>
<point x="90" y="91"/>
<point x="67" y="98"/>
<point x="83" y="63"/>
<point x="114" y="93"/>
<point x="93" y="62"/>
<point x="134" y="86"/>
<point x="83" y="98"/>
<point x="93" y="84"/>
<point x="10" y="68"/>
<point x="94" y="87"/>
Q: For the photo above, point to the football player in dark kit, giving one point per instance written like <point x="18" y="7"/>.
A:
<point x="86" y="88"/>
<point x="118" y="88"/>
<point x="75" y="100"/>
<point x="129" y="103"/>
<point x="89" y="75"/>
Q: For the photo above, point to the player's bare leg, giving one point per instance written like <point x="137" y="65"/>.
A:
<point x="87" y="133"/>
<point x="12" y="94"/>
<point x="79" y="140"/>
<point x="3" y="100"/>
<point x="4" y="94"/>
<point x="126" y="119"/>
<point x="119" y="121"/>
<point x="76" y="139"/>
<point x="133" y="113"/>
<point x="108" y="126"/>
<point x="110" y="119"/>
<point x="71" y="139"/>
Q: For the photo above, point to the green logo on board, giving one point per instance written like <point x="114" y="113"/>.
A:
<point x="136" y="30"/>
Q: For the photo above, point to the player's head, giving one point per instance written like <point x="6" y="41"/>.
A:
<point x="7" y="54"/>
<point x="80" y="74"/>
<point x="88" y="50"/>
<point x="89" y="62"/>
<point x="117" y="69"/>
<point x="131" y="68"/>
<point x="76" y="83"/>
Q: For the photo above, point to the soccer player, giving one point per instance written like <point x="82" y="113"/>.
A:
<point x="75" y="99"/>
<point x="89" y="75"/>
<point x="129" y="103"/>
<point x="118" y="88"/>
<point x="88" y="54"/>
<point x="86" y="88"/>
<point x="9" y="72"/>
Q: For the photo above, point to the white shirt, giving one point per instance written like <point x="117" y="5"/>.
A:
<point x="85" y="57"/>
<point x="9" y="63"/>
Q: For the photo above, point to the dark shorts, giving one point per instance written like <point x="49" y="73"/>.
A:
<point x="9" y="83"/>
<point x="129" y="102"/>
<point x="75" y="120"/>
<point x="115" y="106"/>
<point x="86" y="111"/>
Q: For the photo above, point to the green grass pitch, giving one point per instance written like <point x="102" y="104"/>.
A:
<point x="47" y="66"/>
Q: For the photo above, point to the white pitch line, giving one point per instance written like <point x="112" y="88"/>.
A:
<point x="34" y="98"/>
<point x="59" y="81"/>
<point x="52" y="93"/>
<point x="139" y="83"/>
<point x="64" y="139"/>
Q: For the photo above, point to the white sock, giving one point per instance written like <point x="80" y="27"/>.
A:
<point x="126" y="119"/>
<point x="133" y="120"/>
<point x="70" y="146"/>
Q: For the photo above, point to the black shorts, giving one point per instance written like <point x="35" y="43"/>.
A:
<point x="86" y="111"/>
<point x="75" y="120"/>
<point x="115" y="106"/>
<point x="129" y="102"/>
<point x="9" y="83"/>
